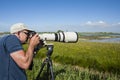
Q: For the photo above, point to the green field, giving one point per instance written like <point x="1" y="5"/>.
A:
<point x="81" y="61"/>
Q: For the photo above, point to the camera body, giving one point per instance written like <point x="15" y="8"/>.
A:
<point x="41" y="42"/>
<point x="31" y="33"/>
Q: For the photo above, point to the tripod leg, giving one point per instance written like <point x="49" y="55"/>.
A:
<point x="51" y="70"/>
<point x="42" y="66"/>
<point x="48" y="71"/>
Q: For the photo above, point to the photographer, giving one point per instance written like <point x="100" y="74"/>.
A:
<point x="13" y="59"/>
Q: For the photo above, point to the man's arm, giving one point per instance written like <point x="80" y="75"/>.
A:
<point x="24" y="59"/>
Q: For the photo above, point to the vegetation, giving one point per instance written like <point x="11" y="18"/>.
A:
<point x="99" y="61"/>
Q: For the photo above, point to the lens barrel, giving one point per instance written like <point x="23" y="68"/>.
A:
<point x="60" y="37"/>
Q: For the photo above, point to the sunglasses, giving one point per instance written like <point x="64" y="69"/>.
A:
<point x="26" y="33"/>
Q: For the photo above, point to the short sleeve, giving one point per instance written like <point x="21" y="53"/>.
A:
<point x="13" y="44"/>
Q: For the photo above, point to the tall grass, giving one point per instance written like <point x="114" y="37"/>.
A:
<point x="100" y="56"/>
<point x="68" y="72"/>
<point x="102" y="61"/>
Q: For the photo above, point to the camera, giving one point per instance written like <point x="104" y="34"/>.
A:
<point x="67" y="37"/>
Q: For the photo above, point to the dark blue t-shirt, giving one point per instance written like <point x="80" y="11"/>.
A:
<point x="9" y="70"/>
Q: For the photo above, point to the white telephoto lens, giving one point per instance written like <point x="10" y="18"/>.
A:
<point x="60" y="37"/>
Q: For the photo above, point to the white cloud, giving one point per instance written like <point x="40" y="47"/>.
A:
<point x="89" y="23"/>
<point x="115" y="24"/>
<point x="100" y="26"/>
<point x="96" y="24"/>
<point x="101" y="22"/>
<point x="118" y="23"/>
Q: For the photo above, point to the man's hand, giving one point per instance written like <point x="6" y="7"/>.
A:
<point x="34" y="40"/>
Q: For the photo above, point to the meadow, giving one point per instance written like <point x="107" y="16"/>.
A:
<point x="80" y="61"/>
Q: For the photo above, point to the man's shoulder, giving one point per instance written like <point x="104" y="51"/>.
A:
<point x="10" y="37"/>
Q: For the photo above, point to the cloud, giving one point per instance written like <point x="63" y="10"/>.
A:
<point x="118" y="23"/>
<point x="96" y="24"/>
<point x="99" y="26"/>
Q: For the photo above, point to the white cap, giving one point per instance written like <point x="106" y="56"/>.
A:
<point x="18" y="27"/>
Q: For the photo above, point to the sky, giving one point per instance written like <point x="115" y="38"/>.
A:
<point x="65" y="15"/>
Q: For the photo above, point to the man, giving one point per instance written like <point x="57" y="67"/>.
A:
<point x="13" y="59"/>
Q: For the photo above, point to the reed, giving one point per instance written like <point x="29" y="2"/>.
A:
<point x="102" y="61"/>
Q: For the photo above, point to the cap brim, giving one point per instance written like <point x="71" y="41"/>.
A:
<point x="29" y="30"/>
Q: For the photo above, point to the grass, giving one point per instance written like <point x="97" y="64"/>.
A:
<point x="100" y="56"/>
<point x="81" y="61"/>
<point x="68" y="72"/>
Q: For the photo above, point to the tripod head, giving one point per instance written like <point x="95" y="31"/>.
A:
<point x="50" y="49"/>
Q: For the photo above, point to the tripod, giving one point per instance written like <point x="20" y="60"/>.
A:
<point x="48" y="62"/>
